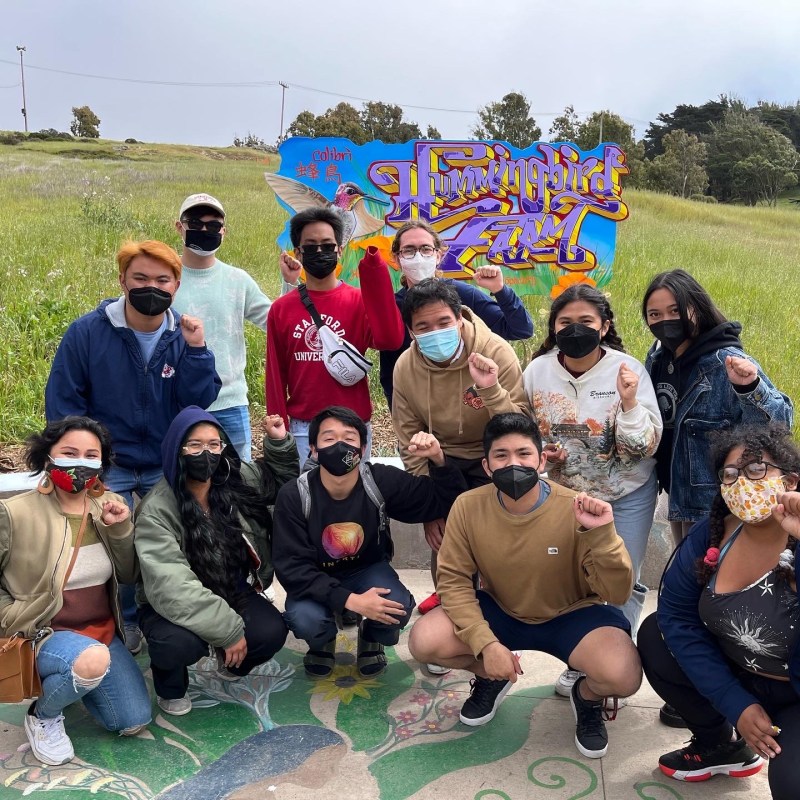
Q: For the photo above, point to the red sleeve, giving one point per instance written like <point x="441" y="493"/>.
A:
<point x="275" y="368"/>
<point x="384" y="324"/>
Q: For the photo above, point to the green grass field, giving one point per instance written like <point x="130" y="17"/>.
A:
<point x="65" y="208"/>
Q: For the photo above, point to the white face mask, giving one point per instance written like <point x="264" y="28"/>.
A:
<point x="419" y="267"/>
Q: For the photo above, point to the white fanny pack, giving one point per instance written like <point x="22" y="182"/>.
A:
<point x="343" y="361"/>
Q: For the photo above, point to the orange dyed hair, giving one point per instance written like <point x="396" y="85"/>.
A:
<point x="152" y="248"/>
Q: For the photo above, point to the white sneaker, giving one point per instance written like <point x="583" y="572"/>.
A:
<point x="177" y="707"/>
<point x="566" y="680"/>
<point x="49" y="741"/>
<point x="437" y="669"/>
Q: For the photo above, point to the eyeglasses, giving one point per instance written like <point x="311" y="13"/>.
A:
<point x="325" y="247"/>
<point x="212" y="226"/>
<point x="755" y="471"/>
<point x="410" y="252"/>
<point x="194" y="447"/>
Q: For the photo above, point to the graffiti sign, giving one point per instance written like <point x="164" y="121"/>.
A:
<point x="547" y="214"/>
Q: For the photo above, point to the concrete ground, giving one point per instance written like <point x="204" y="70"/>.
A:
<point x="278" y="734"/>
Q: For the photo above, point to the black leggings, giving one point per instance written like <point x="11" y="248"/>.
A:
<point x="172" y="648"/>
<point x="779" y="699"/>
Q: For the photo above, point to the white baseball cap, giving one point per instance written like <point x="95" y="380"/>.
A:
<point x="201" y="199"/>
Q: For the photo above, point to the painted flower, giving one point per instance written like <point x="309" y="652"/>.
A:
<point x="421" y="699"/>
<point x="432" y="727"/>
<point x="449" y="711"/>
<point x="404" y="733"/>
<point x="343" y="684"/>
<point x="406" y="716"/>
<point x="572" y="279"/>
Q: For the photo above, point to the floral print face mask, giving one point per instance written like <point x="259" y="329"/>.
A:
<point x="752" y="501"/>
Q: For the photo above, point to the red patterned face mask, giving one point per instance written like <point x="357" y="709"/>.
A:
<point x="74" y="474"/>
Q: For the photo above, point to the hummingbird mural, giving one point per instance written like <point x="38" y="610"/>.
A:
<point x="348" y="201"/>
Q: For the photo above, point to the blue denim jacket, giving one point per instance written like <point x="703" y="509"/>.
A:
<point x="710" y="404"/>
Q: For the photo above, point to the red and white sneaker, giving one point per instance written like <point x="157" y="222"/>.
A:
<point x="699" y="763"/>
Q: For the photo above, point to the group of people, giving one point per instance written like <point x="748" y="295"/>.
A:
<point x="537" y="490"/>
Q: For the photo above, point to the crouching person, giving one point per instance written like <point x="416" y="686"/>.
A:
<point x="63" y="547"/>
<point x="550" y="561"/>
<point x="332" y="544"/>
<point x="202" y="536"/>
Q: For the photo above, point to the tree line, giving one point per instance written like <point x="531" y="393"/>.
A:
<point x="721" y="150"/>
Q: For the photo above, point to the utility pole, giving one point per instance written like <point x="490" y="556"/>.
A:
<point x="602" y="117"/>
<point x="21" y="50"/>
<point x="284" y="87"/>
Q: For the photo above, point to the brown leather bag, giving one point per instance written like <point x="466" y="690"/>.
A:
<point x="19" y="678"/>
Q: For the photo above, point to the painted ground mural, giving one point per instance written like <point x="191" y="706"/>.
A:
<point x="392" y="736"/>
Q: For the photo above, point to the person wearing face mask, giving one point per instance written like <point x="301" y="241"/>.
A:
<point x="298" y="384"/>
<point x="597" y="413"/>
<point x="550" y="563"/>
<point x="723" y="647"/>
<point x="133" y="363"/>
<point x="704" y="381"/>
<point x="418" y="250"/>
<point x="333" y="550"/>
<point x="224" y="297"/>
<point x="63" y="547"/>
<point x="203" y="540"/>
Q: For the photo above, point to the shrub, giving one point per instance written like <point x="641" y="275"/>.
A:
<point x="703" y="198"/>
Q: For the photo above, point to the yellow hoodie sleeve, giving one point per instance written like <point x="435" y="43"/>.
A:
<point x="508" y="394"/>
<point x="406" y="423"/>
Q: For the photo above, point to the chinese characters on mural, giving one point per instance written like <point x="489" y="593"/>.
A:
<point x="547" y="214"/>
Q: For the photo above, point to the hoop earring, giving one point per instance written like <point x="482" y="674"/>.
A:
<point x="224" y="480"/>
<point x="97" y="489"/>
<point x="45" y="485"/>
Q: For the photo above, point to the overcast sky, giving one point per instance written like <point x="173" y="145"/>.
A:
<point x="636" y="58"/>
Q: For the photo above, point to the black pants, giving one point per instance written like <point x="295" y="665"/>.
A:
<point x="173" y="648"/>
<point x="778" y="698"/>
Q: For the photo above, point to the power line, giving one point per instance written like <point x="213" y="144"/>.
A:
<point x="11" y="86"/>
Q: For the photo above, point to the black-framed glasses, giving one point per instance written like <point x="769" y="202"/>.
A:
<point x="194" y="447"/>
<point x="424" y="250"/>
<point x="212" y="226"/>
<point x="754" y="471"/>
<point x="325" y="247"/>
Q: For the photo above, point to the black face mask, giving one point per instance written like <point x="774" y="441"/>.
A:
<point x="670" y="332"/>
<point x="577" y="340"/>
<point x="202" y="466"/>
<point x="204" y="243"/>
<point x="339" y="458"/>
<point x="320" y="265"/>
<point x="515" y="480"/>
<point x="150" y="300"/>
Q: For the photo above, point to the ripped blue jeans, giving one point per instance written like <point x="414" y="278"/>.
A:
<point x="117" y="700"/>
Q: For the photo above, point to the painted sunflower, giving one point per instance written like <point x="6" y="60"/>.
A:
<point x="343" y="684"/>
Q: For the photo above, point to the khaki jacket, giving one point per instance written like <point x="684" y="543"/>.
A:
<point x="35" y="544"/>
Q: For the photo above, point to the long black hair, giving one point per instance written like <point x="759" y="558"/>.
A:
<point x="587" y="294"/>
<point x="759" y="441"/>
<point x="214" y="544"/>
<point x="697" y="310"/>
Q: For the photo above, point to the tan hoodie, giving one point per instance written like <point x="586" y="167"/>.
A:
<point x="443" y="400"/>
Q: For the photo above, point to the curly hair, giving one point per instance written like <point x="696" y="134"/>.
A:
<point x="771" y="442"/>
<point x="581" y="292"/>
<point x="39" y="445"/>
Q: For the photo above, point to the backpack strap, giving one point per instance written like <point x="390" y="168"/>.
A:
<point x="374" y="494"/>
<point x="305" y="494"/>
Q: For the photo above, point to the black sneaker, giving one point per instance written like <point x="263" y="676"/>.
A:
<point x="484" y="700"/>
<point x="350" y="618"/>
<point x="669" y="716"/>
<point x="699" y="763"/>
<point x="591" y="738"/>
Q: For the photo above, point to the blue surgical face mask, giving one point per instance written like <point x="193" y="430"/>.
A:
<point x="439" y="345"/>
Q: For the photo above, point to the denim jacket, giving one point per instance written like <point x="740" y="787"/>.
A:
<point x="709" y="404"/>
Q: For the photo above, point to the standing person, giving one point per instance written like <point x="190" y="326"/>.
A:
<point x="63" y="547"/>
<point x="598" y="416"/>
<point x="455" y="376"/>
<point x="203" y="538"/>
<point x="550" y="562"/>
<point x="704" y="381"/>
<point x="223" y="297"/>
<point x="723" y="648"/>
<point x="333" y="547"/>
<point x="298" y="384"/>
<point x="133" y="363"/>
<point x="418" y="251"/>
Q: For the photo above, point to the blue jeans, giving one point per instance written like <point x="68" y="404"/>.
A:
<point x="299" y="429"/>
<point x="125" y="482"/>
<point x="316" y="623"/>
<point x="633" y="519"/>
<point x="118" y="700"/>
<point x="235" y="422"/>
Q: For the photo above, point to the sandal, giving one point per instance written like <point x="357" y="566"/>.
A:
<point x="371" y="660"/>
<point x="320" y="663"/>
